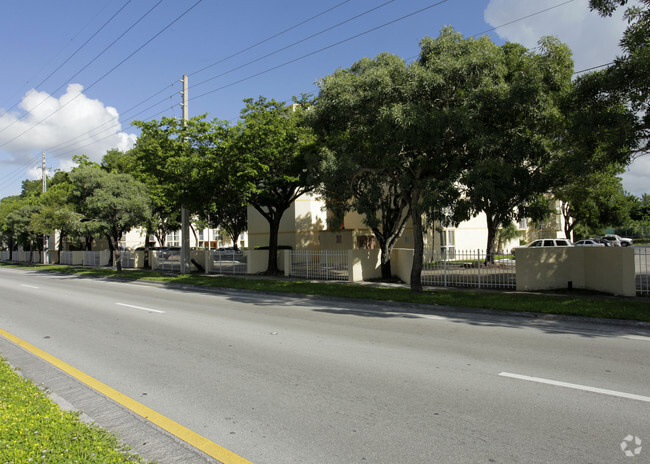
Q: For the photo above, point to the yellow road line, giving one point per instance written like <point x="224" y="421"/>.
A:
<point x="208" y="447"/>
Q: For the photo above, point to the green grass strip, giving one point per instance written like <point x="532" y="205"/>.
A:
<point x="578" y="303"/>
<point x="35" y="429"/>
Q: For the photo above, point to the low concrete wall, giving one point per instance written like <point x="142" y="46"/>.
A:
<point x="364" y="265"/>
<point x="72" y="258"/>
<point x="609" y="270"/>
<point x="401" y="262"/>
<point x="139" y="259"/>
<point x="258" y="261"/>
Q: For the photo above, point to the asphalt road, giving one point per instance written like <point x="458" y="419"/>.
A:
<point x="297" y="380"/>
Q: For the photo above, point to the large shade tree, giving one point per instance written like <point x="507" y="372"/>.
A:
<point x="516" y="142"/>
<point x="268" y="159"/>
<point x="186" y="164"/>
<point x="113" y="203"/>
<point x="593" y="201"/>
<point x="361" y="169"/>
<point x="628" y="76"/>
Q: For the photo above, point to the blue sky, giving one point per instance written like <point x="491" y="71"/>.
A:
<point x="74" y="78"/>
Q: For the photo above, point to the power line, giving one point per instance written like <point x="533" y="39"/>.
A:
<point x="68" y="144"/>
<point x="522" y="18"/>
<point x="60" y="51"/>
<point x="18" y="172"/>
<point x="421" y="10"/>
<point x="105" y="74"/>
<point x="73" y="141"/>
<point x="593" y="67"/>
<point x="295" y="43"/>
<point x="89" y="63"/>
<point x="269" y="38"/>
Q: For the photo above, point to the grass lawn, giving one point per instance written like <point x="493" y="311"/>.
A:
<point x="34" y="429"/>
<point x="575" y="304"/>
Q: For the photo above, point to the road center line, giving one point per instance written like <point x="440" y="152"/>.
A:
<point x="140" y="307"/>
<point x="28" y="286"/>
<point x="557" y="383"/>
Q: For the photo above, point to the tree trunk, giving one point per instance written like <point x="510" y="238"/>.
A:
<point x="111" y="248"/>
<point x="115" y="250"/>
<point x="386" y="272"/>
<point x="147" y="246"/>
<point x="274" y="232"/>
<point x="491" y="236"/>
<point x="418" y="244"/>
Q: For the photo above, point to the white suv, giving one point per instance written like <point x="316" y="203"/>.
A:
<point x="550" y="242"/>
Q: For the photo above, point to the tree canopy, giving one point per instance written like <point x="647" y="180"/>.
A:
<point x="112" y="203"/>
<point x="627" y="77"/>
<point x="269" y="154"/>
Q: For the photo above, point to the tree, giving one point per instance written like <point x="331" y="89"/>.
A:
<point x="361" y="170"/>
<point x="516" y="144"/>
<point x="269" y="161"/>
<point x="8" y="231"/>
<point x="593" y="201"/>
<point x="426" y="123"/>
<point x="179" y="162"/>
<point x="113" y="203"/>
<point x="56" y="213"/>
<point x="628" y="76"/>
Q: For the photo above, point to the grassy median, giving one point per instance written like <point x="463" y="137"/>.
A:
<point x="34" y="429"/>
<point x="577" y="303"/>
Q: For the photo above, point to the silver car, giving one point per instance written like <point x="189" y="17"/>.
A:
<point x="589" y="243"/>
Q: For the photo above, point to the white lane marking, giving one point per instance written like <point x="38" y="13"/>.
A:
<point x="28" y="286"/>
<point x="637" y="337"/>
<point x="435" y="318"/>
<point x="140" y="307"/>
<point x="597" y="334"/>
<point x="557" y="383"/>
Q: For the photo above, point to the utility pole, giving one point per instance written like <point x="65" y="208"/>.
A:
<point x="45" y="237"/>
<point x="43" y="172"/>
<point x="185" y="223"/>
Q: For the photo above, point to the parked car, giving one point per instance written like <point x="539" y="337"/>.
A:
<point x="623" y="241"/>
<point x="550" y="242"/>
<point x="589" y="243"/>
<point x="608" y="241"/>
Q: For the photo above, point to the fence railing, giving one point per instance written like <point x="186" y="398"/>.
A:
<point x="66" y="257"/>
<point x="168" y="260"/>
<point x="227" y="262"/>
<point x="128" y="259"/>
<point x="469" y="269"/>
<point x="642" y="270"/>
<point x="91" y="259"/>
<point x="320" y="265"/>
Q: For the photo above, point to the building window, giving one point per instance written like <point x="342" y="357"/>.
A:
<point x="523" y="224"/>
<point x="448" y="243"/>
<point x="174" y="238"/>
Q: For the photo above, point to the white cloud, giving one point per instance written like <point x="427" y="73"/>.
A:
<point x="62" y="127"/>
<point x="594" y="40"/>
